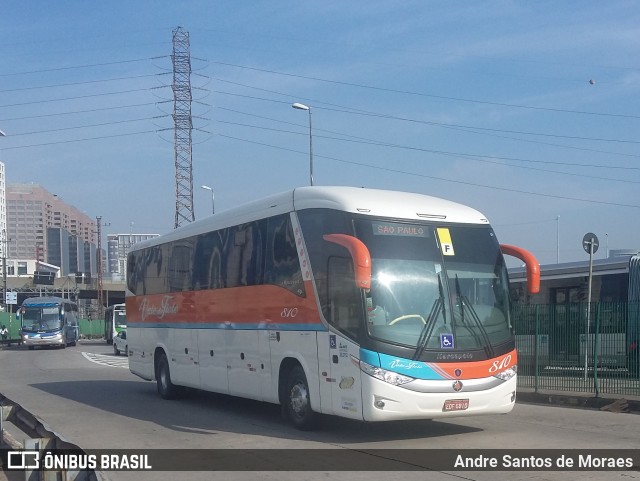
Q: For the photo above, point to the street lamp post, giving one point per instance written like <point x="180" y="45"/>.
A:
<point x="213" y="206"/>
<point x="308" y="109"/>
<point x="4" y="267"/>
<point x="4" y="257"/>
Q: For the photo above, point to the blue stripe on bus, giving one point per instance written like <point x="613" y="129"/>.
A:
<point x="401" y="365"/>
<point x="409" y="367"/>
<point x="370" y="357"/>
<point x="230" y="326"/>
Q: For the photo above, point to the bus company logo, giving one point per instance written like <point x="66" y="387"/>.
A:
<point x="457" y="386"/>
<point x="165" y="307"/>
<point x="405" y="365"/>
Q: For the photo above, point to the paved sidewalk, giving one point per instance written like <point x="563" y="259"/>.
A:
<point x="604" y="402"/>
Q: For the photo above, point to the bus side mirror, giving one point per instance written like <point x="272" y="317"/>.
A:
<point x="359" y="254"/>
<point x="531" y="263"/>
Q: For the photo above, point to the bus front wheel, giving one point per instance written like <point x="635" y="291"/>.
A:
<point x="166" y="388"/>
<point x="298" y="407"/>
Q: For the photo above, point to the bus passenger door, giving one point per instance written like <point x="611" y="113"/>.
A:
<point x="346" y="312"/>
<point x="346" y="391"/>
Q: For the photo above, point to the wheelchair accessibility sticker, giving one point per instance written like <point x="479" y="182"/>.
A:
<point x="446" y="341"/>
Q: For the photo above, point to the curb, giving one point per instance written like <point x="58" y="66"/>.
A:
<point x="616" y="405"/>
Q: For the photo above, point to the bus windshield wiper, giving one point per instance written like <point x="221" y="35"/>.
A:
<point x="427" y="329"/>
<point x="474" y="317"/>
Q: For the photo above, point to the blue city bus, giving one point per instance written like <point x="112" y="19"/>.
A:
<point x="48" y="321"/>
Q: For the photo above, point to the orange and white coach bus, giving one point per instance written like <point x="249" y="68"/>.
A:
<point x="368" y="304"/>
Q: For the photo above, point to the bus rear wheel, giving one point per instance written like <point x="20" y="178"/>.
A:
<point x="166" y="388"/>
<point x="298" y="404"/>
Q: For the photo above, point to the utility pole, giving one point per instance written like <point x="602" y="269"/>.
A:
<point x="183" y="125"/>
<point x="4" y="242"/>
<point x="99" y="266"/>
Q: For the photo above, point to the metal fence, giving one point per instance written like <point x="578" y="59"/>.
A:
<point x="581" y="347"/>
<point x="577" y="347"/>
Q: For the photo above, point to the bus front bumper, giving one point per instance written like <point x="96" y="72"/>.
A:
<point x="43" y="339"/>
<point x="382" y="401"/>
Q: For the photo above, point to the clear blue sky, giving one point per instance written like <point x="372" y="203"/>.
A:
<point x="486" y="103"/>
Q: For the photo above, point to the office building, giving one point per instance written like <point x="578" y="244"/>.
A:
<point x="42" y="226"/>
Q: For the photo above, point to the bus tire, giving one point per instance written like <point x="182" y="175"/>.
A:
<point x="298" y="403"/>
<point x="166" y="388"/>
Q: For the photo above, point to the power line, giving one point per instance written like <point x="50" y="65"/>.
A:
<point x="474" y="157"/>
<point x="79" y="97"/>
<point x="351" y="110"/>
<point x="422" y="94"/>
<point x="72" y="67"/>
<point x="364" y="113"/>
<point x="56" y="114"/>
<point x="83" y="140"/>
<point x="86" y="82"/>
<point x="116" y="122"/>
<point x="516" y="159"/>
<point x="397" y="171"/>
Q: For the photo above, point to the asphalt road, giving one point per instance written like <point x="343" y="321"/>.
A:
<point x="87" y="395"/>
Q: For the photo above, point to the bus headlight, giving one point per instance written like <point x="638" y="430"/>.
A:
<point x="384" y="375"/>
<point x="508" y="373"/>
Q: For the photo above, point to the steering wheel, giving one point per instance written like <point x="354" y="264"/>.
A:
<point x="408" y="316"/>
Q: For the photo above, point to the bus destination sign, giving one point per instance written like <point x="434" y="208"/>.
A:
<point x="397" y="229"/>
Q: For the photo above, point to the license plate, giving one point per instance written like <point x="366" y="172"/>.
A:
<point x="455" y="405"/>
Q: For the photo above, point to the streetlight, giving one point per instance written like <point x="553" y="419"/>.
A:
<point x="4" y="257"/>
<point x="308" y="109"/>
<point x="558" y="240"/>
<point x="213" y="206"/>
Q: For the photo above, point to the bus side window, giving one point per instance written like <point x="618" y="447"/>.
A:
<point x="244" y="255"/>
<point x="181" y="265"/>
<point x="345" y="299"/>
<point x="202" y="260"/>
<point x="282" y="266"/>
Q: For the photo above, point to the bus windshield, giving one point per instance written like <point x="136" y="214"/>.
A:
<point x="120" y="318"/>
<point x="434" y="287"/>
<point x="41" y="319"/>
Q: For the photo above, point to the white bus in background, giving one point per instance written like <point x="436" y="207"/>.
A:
<point x="368" y="304"/>
<point x="115" y="320"/>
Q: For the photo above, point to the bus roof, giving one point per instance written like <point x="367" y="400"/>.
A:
<point x="46" y="301"/>
<point x="374" y="202"/>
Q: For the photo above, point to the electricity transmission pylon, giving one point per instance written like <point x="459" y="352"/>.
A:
<point x="183" y="125"/>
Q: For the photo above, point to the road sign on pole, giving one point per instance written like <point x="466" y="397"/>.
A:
<point x="590" y="241"/>
<point x="11" y="298"/>
<point x="590" y="244"/>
